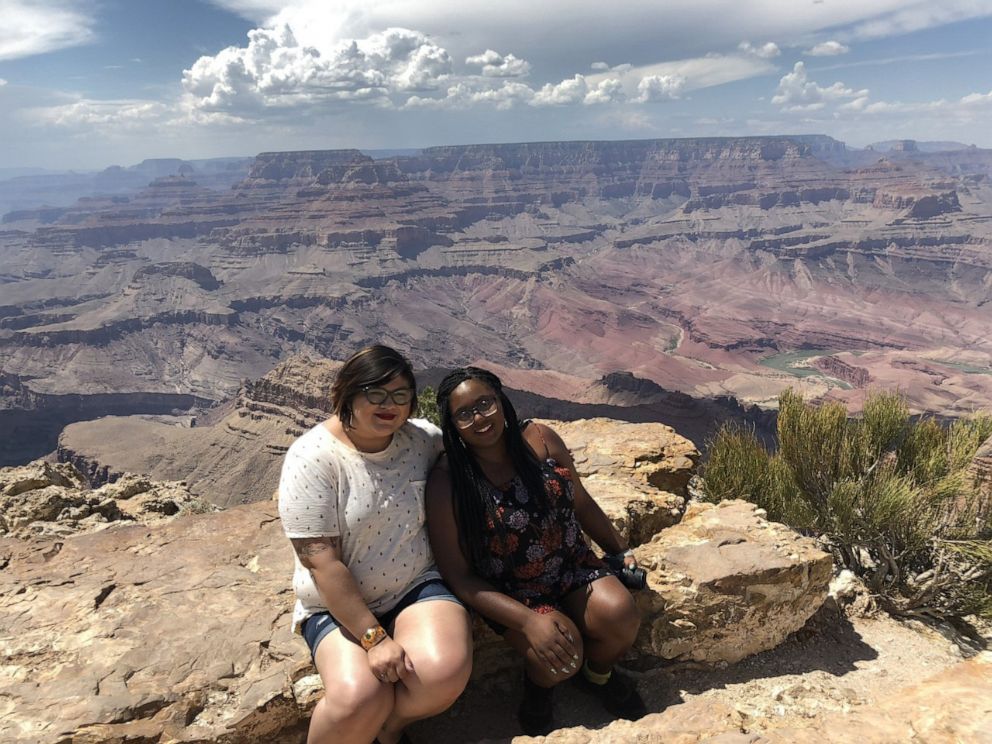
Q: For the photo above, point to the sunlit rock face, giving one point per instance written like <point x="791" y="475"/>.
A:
<point x="948" y="708"/>
<point x="699" y="265"/>
<point x="56" y="500"/>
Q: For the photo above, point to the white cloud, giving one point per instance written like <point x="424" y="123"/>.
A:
<point x="573" y="90"/>
<point x="494" y="64"/>
<point x="28" y="28"/>
<point x="466" y="94"/>
<point x="917" y="15"/>
<point x="124" y="114"/>
<point x="605" y="91"/>
<point x="276" y="71"/>
<point x="923" y="57"/>
<point x="827" y="49"/>
<point x="599" y="66"/>
<point x="2" y="82"/>
<point x="667" y="80"/>
<point x="796" y="92"/>
<point x="769" y="50"/>
<point x="659" y="88"/>
<point x="964" y="107"/>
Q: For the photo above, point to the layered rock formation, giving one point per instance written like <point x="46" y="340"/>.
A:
<point x="233" y="454"/>
<point x="684" y="262"/>
<point x="180" y="631"/>
<point x="46" y="500"/>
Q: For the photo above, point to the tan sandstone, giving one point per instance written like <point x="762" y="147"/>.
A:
<point x="952" y="707"/>
<point x="726" y="583"/>
<point x="638" y="473"/>
<point x="53" y="500"/>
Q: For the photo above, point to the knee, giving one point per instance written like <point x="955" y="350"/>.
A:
<point x="350" y="700"/>
<point x="617" y="620"/>
<point x="445" y="674"/>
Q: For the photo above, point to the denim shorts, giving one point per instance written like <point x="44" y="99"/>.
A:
<point x="316" y="627"/>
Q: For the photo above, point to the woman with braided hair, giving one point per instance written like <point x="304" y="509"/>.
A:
<point x="506" y="511"/>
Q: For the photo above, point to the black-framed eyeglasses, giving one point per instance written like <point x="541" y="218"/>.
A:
<point x="464" y="417"/>
<point x="377" y="395"/>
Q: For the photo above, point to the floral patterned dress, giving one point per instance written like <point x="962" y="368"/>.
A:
<point x="543" y="555"/>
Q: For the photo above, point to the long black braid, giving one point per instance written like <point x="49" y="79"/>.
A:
<point x="472" y="506"/>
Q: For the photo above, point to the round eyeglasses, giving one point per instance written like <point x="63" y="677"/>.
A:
<point x="464" y="417"/>
<point x="377" y="395"/>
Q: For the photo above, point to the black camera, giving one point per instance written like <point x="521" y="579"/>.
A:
<point x="635" y="578"/>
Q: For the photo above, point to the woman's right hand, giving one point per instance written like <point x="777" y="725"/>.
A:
<point x="552" y="641"/>
<point x="388" y="661"/>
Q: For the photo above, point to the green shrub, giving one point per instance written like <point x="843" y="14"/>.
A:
<point x="427" y="405"/>
<point x="892" y="498"/>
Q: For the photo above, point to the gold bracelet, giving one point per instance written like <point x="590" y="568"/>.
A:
<point x="372" y="636"/>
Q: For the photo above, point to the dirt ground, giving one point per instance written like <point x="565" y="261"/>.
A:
<point x="833" y="664"/>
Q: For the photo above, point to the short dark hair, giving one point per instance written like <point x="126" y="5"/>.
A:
<point x="373" y="366"/>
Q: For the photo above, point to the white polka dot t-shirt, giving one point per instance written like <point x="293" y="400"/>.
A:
<point x="373" y="501"/>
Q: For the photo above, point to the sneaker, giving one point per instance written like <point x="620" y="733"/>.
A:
<point x="536" y="711"/>
<point x="618" y="695"/>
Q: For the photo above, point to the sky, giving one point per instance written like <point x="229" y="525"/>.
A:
<point x="89" y="83"/>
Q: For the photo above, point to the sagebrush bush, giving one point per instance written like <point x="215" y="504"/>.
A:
<point x="427" y="406"/>
<point x="891" y="497"/>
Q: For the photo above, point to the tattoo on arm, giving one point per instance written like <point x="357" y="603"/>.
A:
<point x="308" y="548"/>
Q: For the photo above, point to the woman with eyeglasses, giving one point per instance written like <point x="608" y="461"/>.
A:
<point x="391" y="642"/>
<point x="506" y="511"/>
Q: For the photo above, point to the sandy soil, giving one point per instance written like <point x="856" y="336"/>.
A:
<point x="833" y="664"/>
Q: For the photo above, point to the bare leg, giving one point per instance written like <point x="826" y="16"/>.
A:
<point x="606" y="615"/>
<point x="437" y="636"/>
<point x="355" y="703"/>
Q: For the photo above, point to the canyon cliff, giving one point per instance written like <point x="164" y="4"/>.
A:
<point x="698" y="265"/>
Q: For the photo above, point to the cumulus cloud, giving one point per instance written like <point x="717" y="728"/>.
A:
<point x="496" y="65"/>
<point x="29" y="28"/>
<point x="768" y="50"/>
<point x="659" y="88"/>
<point x="796" y="92"/>
<point x="466" y="94"/>
<point x="569" y="91"/>
<point x="276" y="71"/>
<point x="87" y="112"/>
<point x="605" y="91"/>
<point x="827" y="49"/>
<point x="509" y="93"/>
<point x="599" y="66"/>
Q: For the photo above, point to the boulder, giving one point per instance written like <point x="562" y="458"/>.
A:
<point x="53" y="500"/>
<point x="638" y="473"/>
<point x="36" y="475"/>
<point x="726" y="583"/>
<point x="981" y="468"/>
